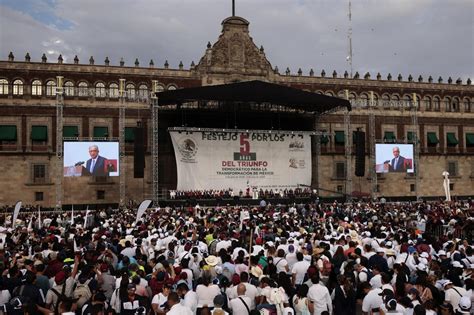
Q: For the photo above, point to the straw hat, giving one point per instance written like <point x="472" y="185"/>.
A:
<point x="211" y="260"/>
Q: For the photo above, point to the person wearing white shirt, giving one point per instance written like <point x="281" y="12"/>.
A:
<point x="280" y="262"/>
<point x="159" y="300"/>
<point x="372" y="301"/>
<point x="299" y="269"/>
<point x="242" y="303"/>
<point x="175" y="307"/>
<point x="319" y="297"/>
<point x="206" y="292"/>
<point x="453" y="294"/>
<point x="190" y="298"/>
<point x="376" y="281"/>
<point x="251" y="291"/>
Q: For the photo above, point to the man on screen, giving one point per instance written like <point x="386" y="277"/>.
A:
<point x="96" y="164"/>
<point x="397" y="164"/>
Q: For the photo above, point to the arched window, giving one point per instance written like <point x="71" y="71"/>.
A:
<point x="69" y="88"/>
<point x="159" y="88"/>
<point x="143" y="91"/>
<point x="364" y="100"/>
<point x="407" y="101"/>
<point x="172" y="87"/>
<point x="386" y="100"/>
<point x="455" y="104"/>
<point x="3" y="87"/>
<point x="395" y="100"/>
<point x="329" y="93"/>
<point x="100" y="90"/>
<point x="427" y="103"/>
<point x="467" y="105"/>
<point x="50" y="88"/>
<point x="436" y="103"/>
<point x="113" y="90"/>
<point x="376" y="100"/>
<point x="447" y="104"/>
<point x="130" y="90"/>
<point x="36" y="88"/>
<point x="342" y="94"/>
<point x="17" y="87"/>
<point x="83" y="89"/>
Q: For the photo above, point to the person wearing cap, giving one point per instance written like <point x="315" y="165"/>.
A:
<point x="464" y="306"/>
<point x="64" y="285"/>
<point x="176" y="308"/>
<point x="391" y="306"/>
<point x="452" y="294"/>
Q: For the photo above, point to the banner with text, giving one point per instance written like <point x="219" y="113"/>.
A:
<point x="223" y="160"/>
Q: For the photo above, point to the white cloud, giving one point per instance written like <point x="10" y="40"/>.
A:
<point x="397" y="36"/>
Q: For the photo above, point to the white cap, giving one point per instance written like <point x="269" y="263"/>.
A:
<point x="421" y="267"/>
<point x="441" y="253"/>
<point x="380" y="250"/>
<point x="457" y="264"/>
<point x="446" y="283"/>
<point x="424" y="255"/>
<point x="465" y="303"/>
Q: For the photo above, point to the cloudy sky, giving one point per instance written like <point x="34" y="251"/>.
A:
<point x="427" y="37"/>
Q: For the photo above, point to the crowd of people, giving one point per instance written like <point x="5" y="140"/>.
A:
<point x="249" y="192"/>
<point x="357" y="258"/>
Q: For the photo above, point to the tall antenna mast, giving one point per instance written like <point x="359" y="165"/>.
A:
<point x="233" y="7"/>
<point x="349" y="36"/>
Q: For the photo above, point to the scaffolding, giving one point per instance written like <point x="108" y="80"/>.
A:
<point x="416" y="145"/>
<point x="154" y="144"/>
<point x="122" y="173"/>
<point x="348" y="151"/>
<point x="59" y="141"/>
<point x="317" y="147"/>
<point x="372" y="142"/>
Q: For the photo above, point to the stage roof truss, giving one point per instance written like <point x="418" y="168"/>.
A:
<point x="250" y="95"/>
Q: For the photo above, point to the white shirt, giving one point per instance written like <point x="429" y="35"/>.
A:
<point x="453" y="297"/>
<point x="206" y="294"/>
<point x="238" y="307"/>
<point x="280" y="263"/>
<point x="5" y="296"/>
<point x="179" y="309"/>
<point x="376" y="281"/>
<point x="319" y="295"/>
<point x="159" y="299"/>
<point x="251" y="292"/>
<point x="93" y="163"/>
<point x="190" y="300"/>
<point x="372" y="300"/>
<point x="299" y="270"/>
<point x="129" y="252"/>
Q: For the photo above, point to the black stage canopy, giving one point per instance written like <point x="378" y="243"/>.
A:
<point x="255" y="92"/>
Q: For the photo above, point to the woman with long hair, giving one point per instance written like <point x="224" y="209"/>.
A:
<point x="301" y="301"/>
<point x="344" y="297"/>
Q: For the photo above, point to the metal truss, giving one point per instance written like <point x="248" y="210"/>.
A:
<point x="348" y="154"/>
<point x="154" y="149"/>
<point x="122" y="167"/>
<point x="59" y="142"/>
<point x="372" y="141"/>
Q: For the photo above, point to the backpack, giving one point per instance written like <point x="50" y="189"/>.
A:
<point x="369" y="274"/>
<point x="82" y="293"/>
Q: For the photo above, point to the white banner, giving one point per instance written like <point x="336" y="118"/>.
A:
<point x="15" y="213"/>
<point x="142" y="208"/>
<point x="241" y="161"/>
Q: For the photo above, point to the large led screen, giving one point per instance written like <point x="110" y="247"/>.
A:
<point x="89" y="158"/>
<point x="394" y="158"/>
